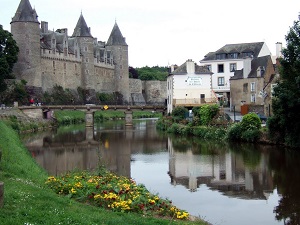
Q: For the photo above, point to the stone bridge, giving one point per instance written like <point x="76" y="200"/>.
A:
<point x="45" y="111"/>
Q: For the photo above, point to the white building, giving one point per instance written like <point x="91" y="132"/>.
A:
<point x="223" y="62"/>
<point x="189" y="85"/>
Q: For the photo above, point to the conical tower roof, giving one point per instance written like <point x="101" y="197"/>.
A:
<point x="25" y="13"/>
<point x="81" y="29"/>
<point x="116" y="37"/>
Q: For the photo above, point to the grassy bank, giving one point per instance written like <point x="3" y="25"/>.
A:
<point x="27" y="199"/>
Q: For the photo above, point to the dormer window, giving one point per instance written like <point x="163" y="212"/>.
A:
<point x="247" y="54"/>
<point x="221" y="56"/>
<point x="233" y="55"/>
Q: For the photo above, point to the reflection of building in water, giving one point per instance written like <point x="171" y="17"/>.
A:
<point x="225" y="172"/>
<point x="84" y="149"/>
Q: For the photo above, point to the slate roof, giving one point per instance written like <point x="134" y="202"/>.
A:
<point x="25" y="13"/>
<point x="255" y="63"/>
<point x="116" y="37"/>
<point x="81" y="29"/>
<point x="181" y="70"/>
<point x="253" y="47"/>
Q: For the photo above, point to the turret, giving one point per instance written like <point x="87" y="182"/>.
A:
<point x="86" y="44"/>
<point x="117" y="44"/>
<point x="26" y="32"/>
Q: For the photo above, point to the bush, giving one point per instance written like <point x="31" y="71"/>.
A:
<point x="234" y="132"/>
<point x="251" y="121"/>
<point x="207" y="113"/>
<point x="180" y="112"/>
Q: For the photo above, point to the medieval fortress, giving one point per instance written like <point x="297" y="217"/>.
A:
<point x="48" y="58"/>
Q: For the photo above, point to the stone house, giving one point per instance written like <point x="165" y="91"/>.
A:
<point x="251" y="87"/>
<point x="226" y="60"/>
<point x="189" y="85"/>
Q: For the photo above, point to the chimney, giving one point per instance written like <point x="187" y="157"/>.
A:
<point x="44" y="26"/>
<point x="64" y="31"/>
<point x="278" y="50"/>
<point x="190" y="66"/>
<point x="247" y="67"/>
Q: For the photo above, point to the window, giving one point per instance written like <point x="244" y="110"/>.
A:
<point x="208" y="67"/>
<point x="252" y="86"/>
<point x="221" y="81"/>
<point x="86" y="59"/>
<point x="85" y="49"/>
<point x="232" y="67"/>
<point x="220" y="68"/>
<point x="245" y="87"/>
<point x="247" y="54"/>
<point x="252" y="98"/>
<point x="233" y="55"/>
<point x="53" y="64"/>
<point x="65" y="51"/>
<point x="221" y="56"/>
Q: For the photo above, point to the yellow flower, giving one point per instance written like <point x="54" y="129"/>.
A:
<point x="73" y="191"/>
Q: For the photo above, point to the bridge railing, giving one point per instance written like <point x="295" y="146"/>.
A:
<point x="112" y="103"/>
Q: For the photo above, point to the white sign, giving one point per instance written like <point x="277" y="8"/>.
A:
<point x="194" y="81"/>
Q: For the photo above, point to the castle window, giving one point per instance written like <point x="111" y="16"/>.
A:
<point x="65" y="52"/>
<point x="75" y="67"/>
<point x="53" y="64"/>
<point x="86" y="59"/>
<point x="86" y="48"/>
<point x="65" y="66"/>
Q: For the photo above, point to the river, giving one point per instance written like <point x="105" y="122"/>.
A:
<point x="222" y="183"/>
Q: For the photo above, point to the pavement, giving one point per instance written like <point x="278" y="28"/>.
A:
<point x="234" y="116"/>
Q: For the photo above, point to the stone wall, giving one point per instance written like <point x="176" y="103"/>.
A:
<point x="155" y="91"/>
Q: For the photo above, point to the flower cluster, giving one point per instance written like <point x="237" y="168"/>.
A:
<point x="113" y="192"/>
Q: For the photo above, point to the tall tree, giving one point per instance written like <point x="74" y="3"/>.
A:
<point x="285" y="124"/>
<point x="8" y="56"/>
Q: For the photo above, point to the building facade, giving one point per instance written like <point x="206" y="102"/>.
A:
<point x="189" y="85"/>
<point x="251" y="87"/>
<point x="226" y="60"/>
<point x="48" y="58"/>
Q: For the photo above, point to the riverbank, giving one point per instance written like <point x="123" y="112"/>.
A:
<point x="27" y="200"/>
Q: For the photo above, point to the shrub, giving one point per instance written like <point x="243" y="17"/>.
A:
<point x="234" y="132"/>
<point x="251" y="121"/>
<point x="207" y="113"/>
<point x="180" y="113"/>
<point x="250" y="135"/>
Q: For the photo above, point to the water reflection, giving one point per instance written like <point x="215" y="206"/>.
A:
<point x="244" y="176"/>
<point x="220" y="167"/>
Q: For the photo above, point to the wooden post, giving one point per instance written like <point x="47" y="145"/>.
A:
<point x="1" y="194"/>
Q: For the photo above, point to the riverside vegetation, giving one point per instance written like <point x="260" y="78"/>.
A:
<point x="28" y="198"/>
<point x="209" y="124"/>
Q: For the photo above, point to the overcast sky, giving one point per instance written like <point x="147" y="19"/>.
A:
<point x="165" y="32"/>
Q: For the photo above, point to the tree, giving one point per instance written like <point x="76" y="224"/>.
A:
<point x="284" y="125"/>
<point x="8" y="56"/>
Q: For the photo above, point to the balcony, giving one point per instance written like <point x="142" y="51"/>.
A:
<point x="191" y="102"/>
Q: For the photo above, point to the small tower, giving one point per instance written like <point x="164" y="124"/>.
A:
<point x="86" y="43"/>
<point x="117" y="44"/>
<point x="25" y="28"/>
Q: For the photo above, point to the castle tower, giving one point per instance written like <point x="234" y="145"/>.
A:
<point x="26" y="32"/>
<point x="117" y="44"/>
<point x="86" y="44"/>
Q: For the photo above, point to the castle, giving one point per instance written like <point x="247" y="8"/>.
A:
<point x="48" y="58"/>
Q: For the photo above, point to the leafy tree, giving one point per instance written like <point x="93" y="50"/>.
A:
<point x="207" y="113"/>
<point x="133" y="73"/>
<point x="152" y="73"/>
<point x="8" y="56"/>
<point x="284" y="125"/>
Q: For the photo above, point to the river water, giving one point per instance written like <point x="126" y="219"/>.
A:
<point x="222" y="183"/>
